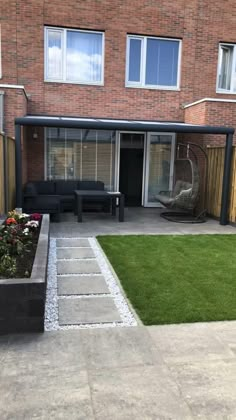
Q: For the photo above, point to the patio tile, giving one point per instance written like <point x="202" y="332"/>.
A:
<point x="119" y="347"/>
<point x="87" y="310"/>
<point x="72" y="242"/>
<point x="226" y="332"/>
<point x="78" y="267"/>
<point x="61" y="351"/>
<point x="188" y="342"/>
<point x="43" y="396"/>
<point x="209" y="387"/>
<point x="75" y="253"/>
<point x="81" y="285"/>
<point x="139" y="393"/>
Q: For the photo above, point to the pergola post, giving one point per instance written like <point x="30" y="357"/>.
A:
<point x="226" y="180"/>
<point x="18" y="166"/>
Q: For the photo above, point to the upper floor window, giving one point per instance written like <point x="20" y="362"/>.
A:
<point x="226" y="80"/>
<point x="153" y="62"/>
<point x="74" y="56"/>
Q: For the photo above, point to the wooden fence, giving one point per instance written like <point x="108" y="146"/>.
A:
<point x="7" y="174"/>
<point x="215" y="178"/>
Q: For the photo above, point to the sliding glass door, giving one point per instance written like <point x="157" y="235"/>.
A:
<point x="159" y="166"/>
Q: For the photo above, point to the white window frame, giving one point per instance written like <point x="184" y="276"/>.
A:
<point x="142" y="84"/>
<point x="226" y="91"/>
<point x="64" y="39"/>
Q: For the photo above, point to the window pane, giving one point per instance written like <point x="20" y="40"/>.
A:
<point x="134" y="60"/>
<point x="106" y="158"/>
<point x="81" y="154"/>
<point x="54" y="55"/>
<point x="225" y="66"/>
<point x="84" y="57"/>
<point x="162" y="62"/>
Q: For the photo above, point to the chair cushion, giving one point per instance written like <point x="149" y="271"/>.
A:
<point x="45" y="187"/>
<point x="66" y="187"/>
<point x="91" y="185"/>
<point x="30" y="189"/>
<point x="165" y="200"/>
<point x="67" y="198"/>
<point x="181" y="185"/>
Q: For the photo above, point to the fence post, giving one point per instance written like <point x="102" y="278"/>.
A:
<point x="18" y="164"/>
<point x="5" y="172"/>
<point x="226" y="180"/>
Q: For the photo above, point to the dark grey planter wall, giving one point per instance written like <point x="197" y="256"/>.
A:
<point x="22" y="301"/>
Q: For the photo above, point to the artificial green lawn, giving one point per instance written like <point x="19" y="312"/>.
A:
<point x="173" y="279"/>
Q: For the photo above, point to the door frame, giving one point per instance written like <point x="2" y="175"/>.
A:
<point x="172" y="160"/>
<point x="117" y="162"/>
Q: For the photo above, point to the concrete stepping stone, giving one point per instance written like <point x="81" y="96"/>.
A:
<point x="75" y="253"/>
<point x="72" y="242"/>
<point x="78" y="267"/>
<point x="81" y="285"/>
<point x="87" y="311"/>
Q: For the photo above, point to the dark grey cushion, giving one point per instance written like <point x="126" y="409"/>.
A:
<point x="66" y="187"/>
<point x="91" y="185"/>
<point x="45" y="187"/>
<point x="67" y="198"/>
<point x="30" y="189"/>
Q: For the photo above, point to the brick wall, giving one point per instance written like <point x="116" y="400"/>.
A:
<point x="200" y="24"/>
<point x="212" y="113"/>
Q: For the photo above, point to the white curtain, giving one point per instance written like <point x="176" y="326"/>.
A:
<point x="84" y="56"/>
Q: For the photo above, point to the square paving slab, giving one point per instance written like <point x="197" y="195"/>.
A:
<point x="72" y="242"/>
<point x="78" y="267"/>
<point x="65" y="253"/>
<point x="87" y="311"/>
<point x="81" y="285"/>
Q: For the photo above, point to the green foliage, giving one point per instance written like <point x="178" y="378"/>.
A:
<point x="7" y="265"/>
<point x="175" y="279"/>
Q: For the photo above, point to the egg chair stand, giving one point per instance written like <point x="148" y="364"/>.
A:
<point x="183" y="200"/>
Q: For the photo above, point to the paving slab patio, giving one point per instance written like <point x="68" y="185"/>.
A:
<point x="120" y="373"/>
<point x="138" y="221"/>
<point x="75" y="253"/>
<point x="63" y="242"/>
<point x="82" y="285"/>
<point x="78" y="267"/>
<point x="91" y="310"/>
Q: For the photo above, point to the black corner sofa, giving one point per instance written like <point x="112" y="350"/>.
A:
<point x="54" y="197"/>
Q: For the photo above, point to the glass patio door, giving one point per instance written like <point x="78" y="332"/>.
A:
<point x="159" y="166"/>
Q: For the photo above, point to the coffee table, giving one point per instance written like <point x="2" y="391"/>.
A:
<point x="81" y="195"/>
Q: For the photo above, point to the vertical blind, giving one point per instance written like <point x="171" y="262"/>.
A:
<point x="81" y="154"/>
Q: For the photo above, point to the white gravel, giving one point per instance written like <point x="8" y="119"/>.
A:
<point x="51" y="311"/>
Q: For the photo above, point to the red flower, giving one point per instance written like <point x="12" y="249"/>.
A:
<point x="36" y="216"/>
<point x="11" y="221"/>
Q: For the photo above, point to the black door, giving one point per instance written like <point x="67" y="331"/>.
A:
<point x="131" y="175"/>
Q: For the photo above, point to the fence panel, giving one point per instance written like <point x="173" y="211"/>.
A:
<point x="215" y="179"/>
<point x="7" y="174"/>
<point x="2" y="201"/>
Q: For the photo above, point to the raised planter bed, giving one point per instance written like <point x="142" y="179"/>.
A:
<point x="22" y="300"/>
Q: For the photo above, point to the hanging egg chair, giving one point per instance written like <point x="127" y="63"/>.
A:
<point x="183" y="199"/>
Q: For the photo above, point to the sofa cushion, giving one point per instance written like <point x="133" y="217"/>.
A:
<point x="30" y="189"/>
<point x="66" y="187"/>
<point x="45" y="187"/>
<point x="91" y="185"/>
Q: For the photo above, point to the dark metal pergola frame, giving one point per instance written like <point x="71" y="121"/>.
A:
<point x="112" y="124"/>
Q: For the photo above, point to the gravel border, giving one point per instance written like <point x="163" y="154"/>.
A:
<point x="51" y="310"/>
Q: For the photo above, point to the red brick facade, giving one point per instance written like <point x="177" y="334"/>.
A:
<point x="201" y="25"/>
